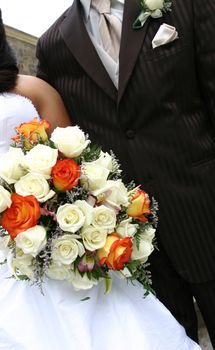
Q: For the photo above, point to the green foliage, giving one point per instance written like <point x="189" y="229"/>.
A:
<point x="8" y="187"/>
<point x="90" y="154"/>
<point x="142" y="226"/>
<point x="108" y="284"/>
<point x="131" y="186"/>
<point x="3" y="262"/>
<point x="85" y="299"/>
<point x="76" y="193"/>
<point x="122" y="215"/>
<point x="18" y="277"/>
<point x="23" y="278"/>
<point x="167" y="5"/>
<point x="49" y="143"/>
<point x="141" y="274"/>
<point x="99" y="272"/>
<point x="3" y="232"/>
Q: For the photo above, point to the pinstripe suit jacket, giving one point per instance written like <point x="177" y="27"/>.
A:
<point x="160" y="123"/>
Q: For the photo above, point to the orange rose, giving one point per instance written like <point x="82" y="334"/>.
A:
<point x="32" y="132"/>
<point x="140" y="206"/>
<point x="65" y="174"/>
<point x="116" y="252"/>
<point x="23" y="213"/>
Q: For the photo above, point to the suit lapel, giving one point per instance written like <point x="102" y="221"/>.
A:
<point x="131" y="42"/>
<point x="78" y="41"/>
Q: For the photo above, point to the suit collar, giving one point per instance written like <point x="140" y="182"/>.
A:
<point x="131" y="43"/>
<point x="79" y="43"/>
<point x="75" y="35"/>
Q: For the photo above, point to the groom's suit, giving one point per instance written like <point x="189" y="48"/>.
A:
<point x="160" y="122"/>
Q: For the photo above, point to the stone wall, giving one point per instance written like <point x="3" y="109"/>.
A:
<point x="24" y="45"/>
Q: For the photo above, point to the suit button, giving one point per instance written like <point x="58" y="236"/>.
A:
<point x="130" y="134"/>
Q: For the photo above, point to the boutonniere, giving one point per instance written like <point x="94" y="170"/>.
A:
<point x="151" y="8"/>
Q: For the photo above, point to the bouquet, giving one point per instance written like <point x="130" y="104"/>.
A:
<point x="66" y="214"/>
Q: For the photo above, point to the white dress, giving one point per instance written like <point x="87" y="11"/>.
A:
<point x="59" y="319"/>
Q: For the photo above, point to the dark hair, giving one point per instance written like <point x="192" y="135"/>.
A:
<point x="8" y="62"/>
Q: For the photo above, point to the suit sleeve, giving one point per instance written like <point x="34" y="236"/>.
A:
<point x="42" y="71"/>
<point x="204" y="31"/>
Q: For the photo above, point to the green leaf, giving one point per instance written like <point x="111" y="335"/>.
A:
<point x="90" y="154"/>
<point x="137" y="24"/>
<point x="143" y="276"/>
<point x="19" y="277"/>
<point x="23" y="278"/>
<point x="3" y="262"/>
<point x="108" y="284"/>
<point x="84" y="299"/>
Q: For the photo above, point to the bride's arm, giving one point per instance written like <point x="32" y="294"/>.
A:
<point x="45" y="98"/>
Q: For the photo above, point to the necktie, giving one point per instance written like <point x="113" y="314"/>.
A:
<point x="110" y="28"/>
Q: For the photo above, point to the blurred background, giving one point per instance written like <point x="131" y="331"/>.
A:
<point x="25" y="21"/>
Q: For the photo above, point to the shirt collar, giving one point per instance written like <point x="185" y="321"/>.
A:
<point x="86" y="6"/>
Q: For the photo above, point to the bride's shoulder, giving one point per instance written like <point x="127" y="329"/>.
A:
<point x="44" y="97"/>
<point x="37" y="90"/>
<point x="32" y="87"/>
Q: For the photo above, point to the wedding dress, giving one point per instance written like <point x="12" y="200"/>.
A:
<point x="60" y="319"/>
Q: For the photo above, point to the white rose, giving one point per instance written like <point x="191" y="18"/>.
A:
<point x="40" y="159"/>
<point x="32" y="241"/>
<point x="21" y="264"/>
<point x="70" y="217"/>
<point x="105" y="160"/>
<point x="5" y="201"/>
<point x="93" y="238"/>
<point x="154" y="4"/>
<point x="4" y="249"/>
<point x="28" y="271"/>
<point x="156" y="14"/>
<point x="11" y="169"/>
<point x="93" y="175"/>
<point x="81" y="282"/>
<point x="126" y="229"/>
<point x="66" y="249"/>
<point x="149" y="233"/>
<point x="58" y="272"/>
<point x="104" y="218"/>
<point x="71" y="141"/>
<point x="114" y="193"/>
<point x="145" y="249"/>
<point x="36" y="185"/>
<point x="87" y="210"/>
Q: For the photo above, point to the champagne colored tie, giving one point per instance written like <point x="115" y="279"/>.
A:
<point x="110" y="28"/>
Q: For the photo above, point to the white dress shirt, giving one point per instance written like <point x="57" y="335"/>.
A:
<point x="91" y="20"/>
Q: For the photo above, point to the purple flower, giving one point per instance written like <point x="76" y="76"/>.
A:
<point x="86" y="264"/>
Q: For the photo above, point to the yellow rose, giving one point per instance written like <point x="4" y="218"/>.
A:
<point x="116" y="252"/>
<point x="32" y="131"/>
<point x="140" y="206"/>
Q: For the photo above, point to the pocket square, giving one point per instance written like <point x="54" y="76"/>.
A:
<point x="164" y="35"/>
